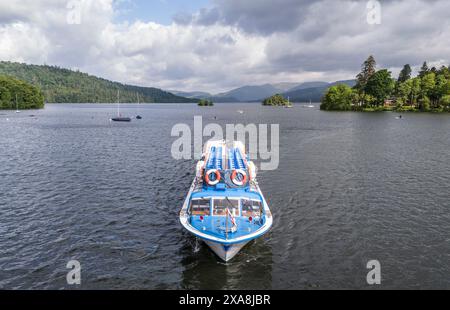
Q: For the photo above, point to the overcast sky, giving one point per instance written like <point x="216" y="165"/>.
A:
<point x="216" y="45"/>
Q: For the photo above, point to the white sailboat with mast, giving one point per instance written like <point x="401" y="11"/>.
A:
<point x="289" y="104"/>
<point x="119" y="117"/>
<point x="17" y="105"/>
<point x="138" y="116"/>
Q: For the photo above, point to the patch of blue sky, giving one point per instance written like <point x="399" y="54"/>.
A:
<point x="158" y="11"/>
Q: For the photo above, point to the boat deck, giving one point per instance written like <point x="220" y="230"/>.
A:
<point x="216" y="226"/>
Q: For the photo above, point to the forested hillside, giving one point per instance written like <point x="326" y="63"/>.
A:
<point x="60" y="85"/>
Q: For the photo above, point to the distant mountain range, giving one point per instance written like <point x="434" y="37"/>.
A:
<point x="193" y="94"/>
<point x="315" y="93"/>
<point x="307" y="85"/>
<point x="251" y="93"/>
<point x="304" y="92"/>
<point x="67" y="86"/>
<point x="60" y="85"/>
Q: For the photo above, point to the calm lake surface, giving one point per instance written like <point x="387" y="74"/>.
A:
<point x="350" y="187"/>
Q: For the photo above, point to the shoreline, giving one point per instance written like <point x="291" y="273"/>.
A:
<point x="392" y="110"/>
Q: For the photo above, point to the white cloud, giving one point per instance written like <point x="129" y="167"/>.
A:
<point x="230" y="44"/>
<point x="23" y="43"/>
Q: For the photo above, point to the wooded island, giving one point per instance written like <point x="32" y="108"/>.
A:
<point x="276" y="100"/>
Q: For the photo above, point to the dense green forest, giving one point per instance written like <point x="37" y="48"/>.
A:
<point x="276" y="100"/>
<point x="378" y="91"/>
<point x="15" y="93"/>
<point x="60" y="85"/>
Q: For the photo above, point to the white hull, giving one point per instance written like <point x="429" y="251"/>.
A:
<point x="226" y="253"/>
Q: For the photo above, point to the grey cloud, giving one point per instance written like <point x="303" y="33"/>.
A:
<point x="341" y="41"/>
<point x="259" y="17"/>
<point x="230" y="43"/>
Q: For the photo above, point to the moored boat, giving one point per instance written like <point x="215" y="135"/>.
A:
<point x="17" y="106"/>
<point x="225" y="207"/>
<point x="139" y="104"/>
<point x="119" y="117"/>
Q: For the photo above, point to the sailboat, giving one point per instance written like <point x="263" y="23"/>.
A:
<point x="119" y="117"/>
<point x="17" y="106"/>
<point x="289" y="104"/>
<point x="138" y="116"/>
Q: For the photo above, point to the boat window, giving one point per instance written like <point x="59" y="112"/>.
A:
<point x="251" y="208"/>
<point x="221" y="205"/>
<point x="200" y="207"/>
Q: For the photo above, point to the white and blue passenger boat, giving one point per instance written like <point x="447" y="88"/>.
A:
<point x="225" y="207"/>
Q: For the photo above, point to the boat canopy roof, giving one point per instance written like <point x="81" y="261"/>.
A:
<point x="221" y="157"/>
<point x="230" y="193"/>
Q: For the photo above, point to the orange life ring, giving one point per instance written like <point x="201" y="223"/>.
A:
<point x="235" y="180"/>
<point x="208" y="180"/>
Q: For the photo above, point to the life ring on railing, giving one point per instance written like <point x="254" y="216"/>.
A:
<point x="234" y="177"/>
<point x="208" y="180"/>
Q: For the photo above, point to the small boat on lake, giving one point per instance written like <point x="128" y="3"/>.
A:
<point x="225" y="207"/>
<point x="119" y="117"/>
<point x="17" y="105"/>
<point x="289" y="104"/>
<point x="138" y="116"/>
<point x="310" y="105"/>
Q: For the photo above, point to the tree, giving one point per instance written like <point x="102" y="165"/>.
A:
<point x="442" y="88"/>
<point x="427" y="84"/>
<point x="403" y="92"/>
<point x="408" y="91"/>
<point x="445" y="72"/>
<point x="427" y="88"/>
<point x="28" y="96"/>
<point x="405" y="74"/>
<point x="424" y="104"/>
<point x="380" y="86"/>
<point x="423" y="70"/>
<point x="338" y="98"/>
<point x="445" y="102"/>
<point x="368" y="69"/>
<point x="415" y="90"/>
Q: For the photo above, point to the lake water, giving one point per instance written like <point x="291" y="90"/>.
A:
<point x="351" y="187"/>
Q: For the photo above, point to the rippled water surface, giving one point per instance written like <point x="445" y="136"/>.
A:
<point x="350" y="187"/>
